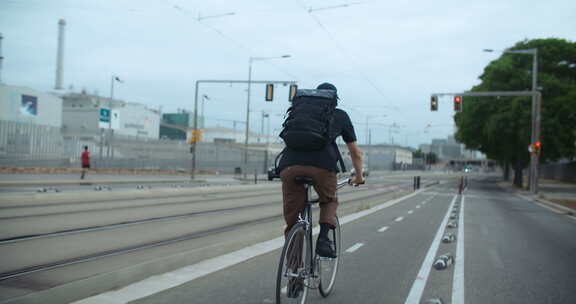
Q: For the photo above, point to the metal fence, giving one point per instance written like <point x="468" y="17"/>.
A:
<point x="28" y="145"/>
<point x="565" y="171"/>
<point x="22" y="141"/>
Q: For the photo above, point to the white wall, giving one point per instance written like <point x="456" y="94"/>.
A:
<point x="25" y="105"/>
<point x="137" y="120"/>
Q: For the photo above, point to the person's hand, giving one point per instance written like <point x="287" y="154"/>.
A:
<point x="357" y="180"/>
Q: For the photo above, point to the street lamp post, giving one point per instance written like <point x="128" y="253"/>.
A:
<point x="267" y="116"/>
<point x="110" y="150"/>
<point x="536" y="107"/>
<point x="247" y="131"/>
<point x="204" y="98"/>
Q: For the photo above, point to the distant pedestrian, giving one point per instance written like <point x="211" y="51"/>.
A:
<point x="85" y="158"/>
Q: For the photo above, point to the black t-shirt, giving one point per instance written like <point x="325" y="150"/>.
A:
<point x="328" y="157"/>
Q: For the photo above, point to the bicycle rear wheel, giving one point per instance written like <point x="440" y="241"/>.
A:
<point x="294" y="268"/>
<point x="328" y="267"/>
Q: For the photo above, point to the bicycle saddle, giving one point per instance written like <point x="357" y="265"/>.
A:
<point x="304" y="180"/>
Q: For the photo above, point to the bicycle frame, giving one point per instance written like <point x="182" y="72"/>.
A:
<point x="306" y="217"/>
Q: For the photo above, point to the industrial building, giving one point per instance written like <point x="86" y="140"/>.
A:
<point x="30" y="123"/>
<point x="86" y="114"/>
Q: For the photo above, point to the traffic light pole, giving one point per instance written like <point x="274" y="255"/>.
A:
<point x="198" y="82"/>
<point x="536" y="119"/>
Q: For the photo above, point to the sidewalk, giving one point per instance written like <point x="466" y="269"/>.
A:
<point x="33" y="180"/>
<point x="556" y="194"/>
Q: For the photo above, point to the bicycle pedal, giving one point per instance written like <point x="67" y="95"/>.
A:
<point x="327" y="258"/>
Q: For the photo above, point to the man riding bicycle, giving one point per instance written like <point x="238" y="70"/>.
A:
<point x="320" y="164"/>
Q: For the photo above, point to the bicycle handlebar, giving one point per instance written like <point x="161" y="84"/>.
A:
<point x="345" y="182"/>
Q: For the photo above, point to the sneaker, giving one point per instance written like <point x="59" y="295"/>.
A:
<point x="325" y="248"/>
<point x="295" y="286"/>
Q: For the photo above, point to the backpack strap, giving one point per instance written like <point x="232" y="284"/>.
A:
<point x="340" y="159"/>
<point x="276" y="161"/>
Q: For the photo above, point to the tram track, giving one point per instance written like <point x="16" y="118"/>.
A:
<point x="150" y="220"/>
<point x="140" y="247"/>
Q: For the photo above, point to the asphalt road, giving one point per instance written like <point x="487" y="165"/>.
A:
<point x="61" y="247"/>
<point x="508" y="250"/>
<point x="58" y="247"/>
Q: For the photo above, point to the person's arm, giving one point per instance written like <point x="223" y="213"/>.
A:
<point x="356" y="154"/>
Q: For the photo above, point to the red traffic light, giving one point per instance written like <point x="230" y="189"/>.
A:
<point x="457" y="103"/>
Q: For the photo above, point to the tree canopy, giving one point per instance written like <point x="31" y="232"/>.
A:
<point x="500" y="127"/>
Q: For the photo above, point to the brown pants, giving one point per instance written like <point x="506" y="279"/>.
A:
<point x="294" y="195"/>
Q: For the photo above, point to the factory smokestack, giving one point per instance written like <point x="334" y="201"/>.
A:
<point x="1" y="57"/>
<point x="60" y="58"/>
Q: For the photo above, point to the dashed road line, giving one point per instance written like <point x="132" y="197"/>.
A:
<point x="419" y="284"/>
<point x="410" y="212"/>
<point x="418" y="207"/>
<point x="383" y="229"/>
<point x="162" y="282"/>
<point x="399" y="219"/>
<point x="354" y="247"/>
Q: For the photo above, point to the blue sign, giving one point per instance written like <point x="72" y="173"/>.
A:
<point x="104" y="115"/>
<point x="29" y="105"/>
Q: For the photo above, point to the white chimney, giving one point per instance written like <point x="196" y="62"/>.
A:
<point x="60" y="58"/>
<point x="1" y="57"/>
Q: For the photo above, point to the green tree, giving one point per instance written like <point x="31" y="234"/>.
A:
<point x="431" y="158"/>
<point x="501" y="127"/>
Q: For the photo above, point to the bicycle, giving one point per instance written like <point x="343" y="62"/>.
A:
<point x="299" y="269"/>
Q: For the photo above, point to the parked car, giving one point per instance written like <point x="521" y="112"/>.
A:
<point x="272" y="174"/>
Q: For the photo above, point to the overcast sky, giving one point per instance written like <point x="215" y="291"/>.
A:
<point x="385" y="57"/>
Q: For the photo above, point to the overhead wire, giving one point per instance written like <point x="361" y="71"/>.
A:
<point x="345" y="52"/>
<point x="238" y="44"/>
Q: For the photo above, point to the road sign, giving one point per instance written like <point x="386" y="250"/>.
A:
<point x="104" y="115"/>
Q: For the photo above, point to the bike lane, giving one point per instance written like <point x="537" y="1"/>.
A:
<point x="389" y="246"/>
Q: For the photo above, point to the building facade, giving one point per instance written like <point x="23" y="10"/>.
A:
<point x="30" y="124"/>
<point x="91" y="115"/>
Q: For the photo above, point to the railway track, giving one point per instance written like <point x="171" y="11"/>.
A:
<point x="31" y="269"/>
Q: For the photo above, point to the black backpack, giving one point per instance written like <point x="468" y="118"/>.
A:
<point x="309" y="122"/>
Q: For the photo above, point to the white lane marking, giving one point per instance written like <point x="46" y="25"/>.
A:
<point x="399" y="219"/>
<point x="383" y="229"/>
<point x="410" y="212"/>
<point x="354" y="247"/>
<point x="159" y="283"/>
<point x="417" y="289"/>
<point x="458" y="287"/>
<point x="418" y="207"/>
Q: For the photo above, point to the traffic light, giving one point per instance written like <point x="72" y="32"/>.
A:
<point x="536" y="147"/>
<point x="292" y="93"/>
<point x="458" y="103"/>
<point x="269" y="92"/>
<point x="434" y="103"/>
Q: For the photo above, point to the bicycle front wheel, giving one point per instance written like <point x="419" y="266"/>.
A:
<point x="328" y="267"/>
<point x="294" y="268"/>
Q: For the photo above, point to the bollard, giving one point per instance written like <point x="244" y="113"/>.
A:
<point x="461" y="186"/>
<point x="418" y="181"/>
<point x="255" y="176"/>
<point x="414" y="183"/>
<point x="443" y="261"/>
<point x="448" y="238"/>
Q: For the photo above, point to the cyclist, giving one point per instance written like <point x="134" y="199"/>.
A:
<point x="322" y="167"/>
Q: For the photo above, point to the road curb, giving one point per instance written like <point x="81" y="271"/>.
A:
<point x="91" y="183"/>
<point x="567" y="210"/>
